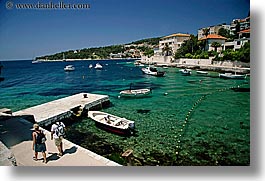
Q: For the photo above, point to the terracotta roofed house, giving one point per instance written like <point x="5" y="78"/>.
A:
<point x="213" y="38"/>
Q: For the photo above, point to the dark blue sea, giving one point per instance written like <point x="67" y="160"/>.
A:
<point x="187" y="120"/>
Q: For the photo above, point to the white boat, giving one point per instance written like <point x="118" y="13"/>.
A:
<point x="112" y="123"/>
<point x="201" y="72"/>
<point x="232" y="76"/>
<point x="69" y="68"/>
<point x="185" y="71"/>
<point x="90" y="66"/>
<point x="152" y="71"/>
<point x="35" y="61"/>
<point x="98" y="66"/>
<point x="135" y="92"/>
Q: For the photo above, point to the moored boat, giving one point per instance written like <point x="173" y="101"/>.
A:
<point x="232" y="76"/>
<point x="202" y="72"/>
<point x="185" y="71"/>
<point x="98" y="66"/>
<point x="112" y="123"/>
<point x="152" y="71"/>
<point x="135" y="92"/>
<point x="69" y="68"/>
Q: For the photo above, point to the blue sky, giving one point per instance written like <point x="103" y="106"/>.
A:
<point x="25" y="34"/>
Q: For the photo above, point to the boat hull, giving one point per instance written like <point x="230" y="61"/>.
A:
<point x="185" y="72"/>
<point x="124" y="132"/>
<point x="135" y="93"/>
<point x="201" y="73"/>
<point x="229" y="76"/>
<point x="112" y="123"/>
<point x="157" y="74"/>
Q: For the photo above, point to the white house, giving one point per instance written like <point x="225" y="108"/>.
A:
<point x="213" y="38"/>
<point x="174" y="41"/>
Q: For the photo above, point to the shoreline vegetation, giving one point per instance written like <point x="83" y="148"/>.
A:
<point x="140" y="51"/>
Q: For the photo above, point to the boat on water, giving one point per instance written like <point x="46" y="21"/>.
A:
<point x="232" y="76"/>
<point x="69" y="68"/>
<point x="185" y="71"/>
<point x="98" y="66"/>
<point x="202" y="72"/>
<point x="90" y="66"/>
<point x="112" y="123"/>
<point x="135" y="92"/>
<point x="35" y="61"/>
<point x="152" y="71"/>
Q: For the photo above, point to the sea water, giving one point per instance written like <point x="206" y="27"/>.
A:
<point x="187" y="120"/>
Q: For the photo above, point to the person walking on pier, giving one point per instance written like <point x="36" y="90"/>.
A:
<point x="57" y="133"/>
<point x="38" y="143"/>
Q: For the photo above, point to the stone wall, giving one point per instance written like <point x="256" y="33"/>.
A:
<point x="7" y="158"/>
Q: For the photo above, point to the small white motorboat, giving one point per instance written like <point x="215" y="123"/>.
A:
<point x="232" y="76"/>
<point x="112" y="123"/>
<point x="90" y="66"/>
<point x="69" y="68"/>
<point x="98" y="66"/>
<point x="202" y="72"/>
<point x="152" y="71"/>
<point x="185" y="71"/>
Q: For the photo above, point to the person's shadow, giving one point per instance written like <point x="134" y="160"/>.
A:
<point x="54" y="156"/>
<point x="70" y="150"/>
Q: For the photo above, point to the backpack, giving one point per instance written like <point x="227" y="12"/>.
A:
<point x="40" y="137"/>
<point x="59" y="130"/>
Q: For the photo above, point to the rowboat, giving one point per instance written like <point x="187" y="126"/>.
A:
<point x="112" y="123"/>
<point x="135" y="92"/>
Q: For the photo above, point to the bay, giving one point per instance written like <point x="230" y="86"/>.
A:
<point x="187" y="120"/>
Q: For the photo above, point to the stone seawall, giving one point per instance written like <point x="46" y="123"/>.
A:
<point x="7" y="158"/>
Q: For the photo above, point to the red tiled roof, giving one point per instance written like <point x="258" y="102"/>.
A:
<point x="213" y="36"/>
<point x="245" y="31"/>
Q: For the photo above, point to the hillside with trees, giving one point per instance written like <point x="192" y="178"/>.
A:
<point x="144" y="46"/>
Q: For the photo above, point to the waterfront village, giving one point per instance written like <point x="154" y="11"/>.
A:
<point x="217" y="47"/>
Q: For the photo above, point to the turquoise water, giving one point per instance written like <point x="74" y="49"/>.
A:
<point x="187" y="120"/>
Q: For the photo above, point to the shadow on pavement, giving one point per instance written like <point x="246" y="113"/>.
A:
<point x="70" y="150"/>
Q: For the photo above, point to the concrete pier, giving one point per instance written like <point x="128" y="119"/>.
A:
<point x="16" y="133"/>
<point x="48" y="113"/>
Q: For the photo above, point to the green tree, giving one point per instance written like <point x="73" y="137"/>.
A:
<point x="215" y="45"/>
<point x="224" y="32"/>
<point x="188" y="46"/>
<point x="205" y="32"/>
<point x="167" y="51"/>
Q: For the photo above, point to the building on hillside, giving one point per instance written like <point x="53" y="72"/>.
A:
<point x="213" y="30"/>
<point x="244" y="23"/>
<point x="243" y="37"/>
<point x="173" y="41"/>
<point x="213" y="38"/>
<point x="239" y="25"/>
